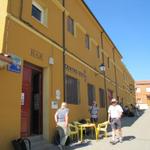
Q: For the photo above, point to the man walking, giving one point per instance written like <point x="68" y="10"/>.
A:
<point x="114" y="116"/>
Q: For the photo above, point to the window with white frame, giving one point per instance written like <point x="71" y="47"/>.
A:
<point x="138" y="90"/>
<point x="39" y="13"/>
<point x="98" y="52"/>
<point x="87" y="41"/>
<point x="70" y="25"/>
<point x="108" y="62"/>
<point x="148" y="89"/>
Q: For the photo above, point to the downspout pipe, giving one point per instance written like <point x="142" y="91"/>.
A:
<point x="64" y="49"/>
<point x="115" y="72"/>
<point x="104" y="73"/>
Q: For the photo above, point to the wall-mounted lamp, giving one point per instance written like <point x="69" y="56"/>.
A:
<point x="5" y="59"/>
<point x="51" y="61"/>
<point x="102" y="68"/>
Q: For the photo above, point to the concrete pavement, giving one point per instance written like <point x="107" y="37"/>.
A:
<point x="136" y="133"/>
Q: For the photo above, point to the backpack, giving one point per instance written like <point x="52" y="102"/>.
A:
<point x="131" y="114"/>
<point x="21" y="144"/>
<point x="83" y="121"/>
<point x="56" y="138"/>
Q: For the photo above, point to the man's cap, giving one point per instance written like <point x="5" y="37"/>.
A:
<point x="113" y="100"/>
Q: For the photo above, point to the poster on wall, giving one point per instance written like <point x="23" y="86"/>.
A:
<point x="22" y="99"/>
<point x="54" y="105"/>
<point x="16" y="64"/>
<point x="58" y="94"/>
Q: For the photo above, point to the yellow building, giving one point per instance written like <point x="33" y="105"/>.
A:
<point x="143" y="92"/>
<point x="46" y="46"/>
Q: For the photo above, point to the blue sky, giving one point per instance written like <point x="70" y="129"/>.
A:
<point x="127" y="22"/>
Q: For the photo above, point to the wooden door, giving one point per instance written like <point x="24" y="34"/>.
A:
<point x="25" y="101"/>
<point x="31" y="101"/>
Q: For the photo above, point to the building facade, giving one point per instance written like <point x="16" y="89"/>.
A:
<point x="143" y="92"/>
<point x="50" y="53"/>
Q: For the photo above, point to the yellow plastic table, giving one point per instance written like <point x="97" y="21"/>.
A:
<point x="87" y="125"/>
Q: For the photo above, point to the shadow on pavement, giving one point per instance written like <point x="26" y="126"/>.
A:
<point x="128" y="121"/>
<point x="128" y="138"/>
<point x="79" y="145"/>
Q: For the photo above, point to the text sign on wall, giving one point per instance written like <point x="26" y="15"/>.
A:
<point x="36" y="54"/>
<point x="75" y="71"/>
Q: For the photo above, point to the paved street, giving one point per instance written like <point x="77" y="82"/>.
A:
<point x="136" y="132"/>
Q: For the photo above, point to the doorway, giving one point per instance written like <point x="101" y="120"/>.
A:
<point x="31" y="101"/>
<point x="110" y="95"/>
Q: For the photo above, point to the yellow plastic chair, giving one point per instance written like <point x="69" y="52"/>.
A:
<point x="102" y="127"/>
<point x="73" y="131"/>
<point x="77" y="124"/>
<point x="88" y="120"/>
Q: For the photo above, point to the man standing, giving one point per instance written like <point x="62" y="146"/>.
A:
<point x="94" y="112"/>
<point x="114" y="116"/>
<point x="61" y="119"/>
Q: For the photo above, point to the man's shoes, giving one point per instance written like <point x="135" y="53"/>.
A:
<point x="120" y="140"/>
<point x="60" y="147"/>
<point x="113" y="142"/>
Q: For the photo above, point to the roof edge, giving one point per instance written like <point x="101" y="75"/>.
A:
<point x="100" y="26"/>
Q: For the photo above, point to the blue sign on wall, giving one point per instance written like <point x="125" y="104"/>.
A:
<point x="16" y="64"/>
<point x="14" y="68"/>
